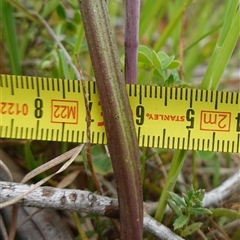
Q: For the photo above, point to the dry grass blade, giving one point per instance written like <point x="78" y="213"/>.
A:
<point x="219" y="228"/>
<point x="52" y="163"/>
<point x="3" y="230"/>
<point x="21" y="218"/>
<point x="34" y="186"/>
<point x="5" y="172"/>
<point x="29" y="217"/>
<point x="68" y="179"/>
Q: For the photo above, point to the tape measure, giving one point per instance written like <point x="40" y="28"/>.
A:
<point x="178" y="118"/>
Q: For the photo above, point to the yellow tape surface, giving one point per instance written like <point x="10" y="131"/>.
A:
<point x="179" y="118"/>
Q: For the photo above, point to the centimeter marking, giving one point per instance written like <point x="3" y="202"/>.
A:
<point x="180" y="118"/>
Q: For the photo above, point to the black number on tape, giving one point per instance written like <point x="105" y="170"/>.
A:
<point x="140" y="111"/>
<point x="38" y="113"/>
<point x="190" y="118"/>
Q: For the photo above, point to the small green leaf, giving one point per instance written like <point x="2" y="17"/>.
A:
<point x="178" y="200"/>
<point x="158" y="73"/>
<point x="156" y="61"/>
<point x="178" y="83"/>
<point x="174" y="207"/>
<point x="174" y="64"/>
<point x="84" y="158"/>
<point x="205" y="155"/>
<point x="175" y="73"/>
<point x="166" y="62"/>
<point x="191" y="192"/>
<point x="141" y="65"/>
<point x="145" y="50"/>
<point x="186" y="198"/>
<point x="199" y="211"/>
<point x="61" y="11"/>
<point x="46" y="64"/>
<point x="162" y="56"/>
<point x="145" y="55"/>
<point x="190" y="229"/>
<point x="144" y="59"/>
<point x="195" y="197"/>
<point x="169" y="82"/>
<point x="196" y="202"/>
<point x="77" y="17"/>
<point x="199" y="194"/>
<point x="101" y="162"/>
<point x="70" y="26"/>
<point x="180" y="221"/>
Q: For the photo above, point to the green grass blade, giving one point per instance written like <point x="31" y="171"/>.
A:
<point x="171" y="26"/>
<point x="194" y="43"/>
<point x="79" y="39"/>
<point x="208" y="79"/>
<point x="11" y="37"/>
<point x="63" y="66"/>
<point x="174" y="171"/>
<point x="226" y="51"/>
<point x="22" y="9"/>
<point x="149" y="9"/>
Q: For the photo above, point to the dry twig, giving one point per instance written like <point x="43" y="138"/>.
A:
<point x="84" y="201"/>
<point x="75" y="200"/>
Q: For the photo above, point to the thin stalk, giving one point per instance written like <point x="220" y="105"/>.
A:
<point x="79" y="226"/>
<point x="194" y="170"/>
<point x="131" y="40"/>
<point x="176" y="166"/>
<point x="121" y="135"/>
<point x="143" y="163"/>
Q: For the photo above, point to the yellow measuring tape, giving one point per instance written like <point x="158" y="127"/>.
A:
<point x="179" y="118"/>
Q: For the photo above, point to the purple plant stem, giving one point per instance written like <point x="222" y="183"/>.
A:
<point x="131" y="40"/>
<point x="119" y="125"/>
